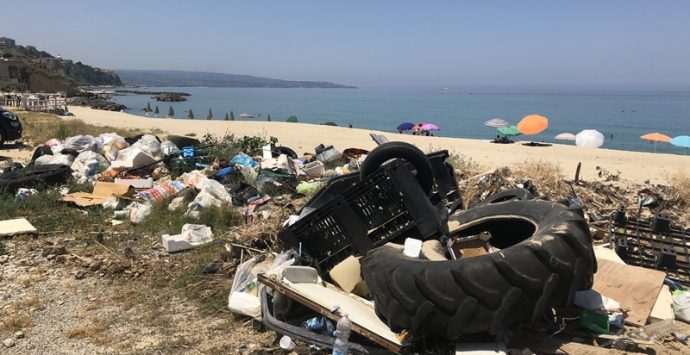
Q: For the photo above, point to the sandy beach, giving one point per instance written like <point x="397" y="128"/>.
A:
<point x="634" y="166"/>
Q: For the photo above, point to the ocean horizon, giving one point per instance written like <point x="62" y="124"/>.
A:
<point x="622" y="116"/>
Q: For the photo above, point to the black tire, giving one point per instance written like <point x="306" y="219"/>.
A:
<point x="182" y="141"/>
<point x="508" y="195"/>
<point x="41" y="151"/>
<point x="546" y="257"/>
<point x="401" y="150"/>
<point x="52" y="174"/>
<point x="277" y="151"/>
<point x="2" y="138"/>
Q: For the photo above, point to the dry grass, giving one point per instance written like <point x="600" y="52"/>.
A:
<point x="96" y="327"/>
<point x="681" y="183"/>
<point x="16" y="322"/>
<point x="546" y="176"/>
<point x="464" y="166"/>
<point x="40" y="127"/>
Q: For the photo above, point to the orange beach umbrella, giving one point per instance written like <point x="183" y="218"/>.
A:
<point x="532" y="124"/>
<point x="656" y="137"/>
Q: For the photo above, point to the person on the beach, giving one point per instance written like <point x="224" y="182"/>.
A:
<point x="349" y="125"/>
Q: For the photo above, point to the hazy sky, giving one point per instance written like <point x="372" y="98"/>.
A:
<point x="611" y="43"/>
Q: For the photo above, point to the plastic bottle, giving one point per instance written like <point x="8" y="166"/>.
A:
<point x="342" y="334"/>
<point x="655" y="331"/>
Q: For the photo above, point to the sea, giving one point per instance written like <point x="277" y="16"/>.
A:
<point x="621" y="116"/>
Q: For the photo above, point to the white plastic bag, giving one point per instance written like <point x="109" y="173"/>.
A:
<point x="150" y="145"/>
<point x="681" y="305"/>
<point x="89" y="163"/>
<point x="64" y="159"/>
<point x="132" y="158"/>
<point x="215" y="189"/>
<point x="169" y="148"/>
<point x="138" y="212"/>
<point x="192" y="236"/>
<point x="176" y="203"/>
<point x="81" y="143"/>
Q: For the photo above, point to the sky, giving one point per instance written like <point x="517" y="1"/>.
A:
<point x="482" y="43"/>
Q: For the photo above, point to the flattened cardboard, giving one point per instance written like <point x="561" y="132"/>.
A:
<point x="16" y="226"/>
<point x="346" y="274"/>
<point x="102" y="191"/>
<point x="634" y="287"/>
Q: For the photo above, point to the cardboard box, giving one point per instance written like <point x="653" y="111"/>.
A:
<point x="102" y="191"/>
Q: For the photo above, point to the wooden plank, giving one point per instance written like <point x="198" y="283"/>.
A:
<point x="16" y="226"/>
<point x="320" y="299"/>
<point x="635" y="288"/>
<point x="663" y="308"/>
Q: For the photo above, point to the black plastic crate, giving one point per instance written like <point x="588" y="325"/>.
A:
<point x="387" y="205"/>
<point x="653" y="244"/>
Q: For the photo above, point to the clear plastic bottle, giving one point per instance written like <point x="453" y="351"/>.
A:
<point x="655" y="331"/>
<point x="342" y="334"/>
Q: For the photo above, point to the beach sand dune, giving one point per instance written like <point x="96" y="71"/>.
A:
<point x="635" y="166"/>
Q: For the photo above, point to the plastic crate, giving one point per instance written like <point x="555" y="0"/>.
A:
<point x="388" y="205"/>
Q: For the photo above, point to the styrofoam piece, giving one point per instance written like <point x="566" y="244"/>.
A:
<point x="192" y="236"/>
<point x="480" y="348"/>
<point x="412" y="247"/>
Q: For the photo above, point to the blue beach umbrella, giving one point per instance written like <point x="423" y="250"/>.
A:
<point x="681" y="141"/>
<point x="405" y="126"/>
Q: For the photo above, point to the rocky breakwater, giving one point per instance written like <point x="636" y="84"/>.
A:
<point x="96" y="103"/>
<point x="171" y="96"/>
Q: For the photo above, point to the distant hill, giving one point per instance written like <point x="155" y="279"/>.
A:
<point x="27" y="68"/>
<point x="188" y="78"/>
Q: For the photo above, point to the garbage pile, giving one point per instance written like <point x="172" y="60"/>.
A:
<point x="393" y="251"/>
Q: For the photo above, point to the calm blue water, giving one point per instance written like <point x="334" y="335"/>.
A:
<point x="626" y="116"/>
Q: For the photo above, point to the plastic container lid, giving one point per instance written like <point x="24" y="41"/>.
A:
<point x="412" y="247"/>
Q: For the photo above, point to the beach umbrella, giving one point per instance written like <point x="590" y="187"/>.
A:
<point x="292" y="119"/>
<point x="532" y="124"/>
<point x="227" y="118"/>
<point x="566" y="136"/>
<point x="655" y="138"/>
<point x="497" y="122"/>
<point x="269" y="118"/>
<point x="429" y="127"/>
<point x="232" y="116"/>
<point x="190" y="114"/>
<point x="405" y="126"/>
<point x="508" y="131"/>
<point x="589" y="138"/>
<point x="156" y="111"/>
<point x="681" y="141"/>
<point x="171" y="112"/>
<point x="148" y="107"/>
<point x="209" y="115"/>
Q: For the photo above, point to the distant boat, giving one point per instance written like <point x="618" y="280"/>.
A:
<point x="246" y="115"/>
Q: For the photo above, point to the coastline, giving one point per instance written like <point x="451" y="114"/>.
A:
<point x="302" y="137"/>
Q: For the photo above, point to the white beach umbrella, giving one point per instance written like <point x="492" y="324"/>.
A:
<point x="589" y="138"/>
<point x="565" y="136"/>
<point x="497" y="122"/>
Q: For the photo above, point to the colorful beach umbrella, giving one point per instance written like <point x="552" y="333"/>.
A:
<point x="429" y="127"/>
<point x="589" y="138"/>
<point x="508" y="131"/>
<point x="655" y="138"/>
<point x="681" y="141"/>
<point x="405" y="126"/>
<point x="566" y="136"/>
<point x="292" y="119"/>
<point x="497" y="122"/>
<point x="532" y="124"/>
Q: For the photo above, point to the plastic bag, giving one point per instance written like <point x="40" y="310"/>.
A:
<point x="681" y="305"/>
<point x="169" y="148"/>
<point x="242" y="159"/>
<point x="176" y="203"/>
<point x="81" y="143"/>
<point x="64" y="159"/>
<point x="89" y="163"/>
<point x="53" y="142"/>
<point x="193" y="178"/>
<point x="138" y="212"/>
<point x="111" y="144"/>
<point x="215" y="189"/>
<point x="161" y="191"/>
<point x="150" y="145"/>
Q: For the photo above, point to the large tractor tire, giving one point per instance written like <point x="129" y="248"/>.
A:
<point x="546" y="256"/>
<point x="400" y="150"/>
